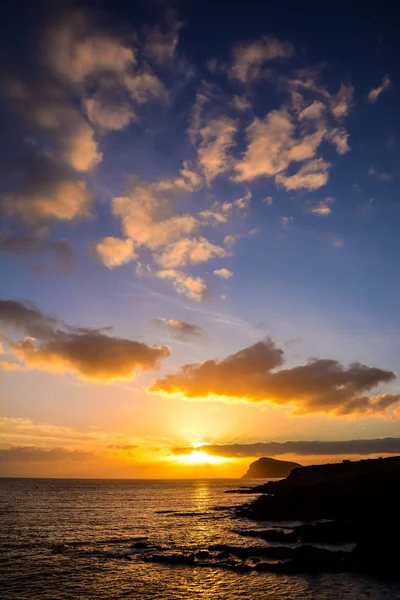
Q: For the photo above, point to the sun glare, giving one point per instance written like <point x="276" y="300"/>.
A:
<point x="198" y="457"/>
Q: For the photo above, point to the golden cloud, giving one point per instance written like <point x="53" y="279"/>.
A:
<point x="194" y="288"/>
<point x="114" y="252"/>
<point x="56" y="347"/>
<point x="321" y="385"/>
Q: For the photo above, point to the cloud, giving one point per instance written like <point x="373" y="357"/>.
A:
<point x="275" y="144"/>
<point x="189" y="251"/>
<point x="311" y="176"/>
<point x="224" y="273"/>
<point x="294" y="134"/>
<point x="321" y="385"/>
<point x="109" y="115"/>
<point x="243" y="202"/>
<point x="248" y="59"/>
<point x="114" y="252"/>
<point x="147" y="215"/>
<point x="300" y="448"/>
<point x="161" y="42"/>
<point x="76" y="84"/>
<point x="193" y="288"/>
<point x="56" y="347"/>
<point x="322" y="208"/>
<point x="374" y="93"/>
<point x="179" y="329"/>
<point x="150" y="219"/>
<point x="231" y="239"/>
<point x="41" y="454"/>
<point x="125" y="447"/>
<point x="241" y="103"/>
<point x="216" y="138"/>
<point x="387" y="177"/>
<point x="52" y="191"/>
<point x="23" y="245"/>
<point x="27" y="318"/>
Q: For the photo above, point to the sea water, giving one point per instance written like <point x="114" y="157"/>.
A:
<point x="71" y="539"/>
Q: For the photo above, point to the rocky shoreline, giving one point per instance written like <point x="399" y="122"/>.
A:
<point x="353" y="503"/>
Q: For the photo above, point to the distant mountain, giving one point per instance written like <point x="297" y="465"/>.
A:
<point x="265" y="467"/>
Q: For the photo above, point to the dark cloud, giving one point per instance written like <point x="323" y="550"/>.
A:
<point x="321" y="385"/>
<point x="26" y="317"/>
<point x="41" y="454"/>
<point x="311" y="448"/>
<point x="58" y="348"/>
<point x="179" y="329"/>
<point x="23" y="245"/>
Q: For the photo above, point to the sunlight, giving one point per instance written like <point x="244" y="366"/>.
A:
<point x="198" y="457"/>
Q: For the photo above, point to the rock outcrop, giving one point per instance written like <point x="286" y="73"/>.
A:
<point x="269" y="468"/>
<point x="361" y="497"/>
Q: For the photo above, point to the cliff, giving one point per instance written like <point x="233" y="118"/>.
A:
<point x="265" y="468"/>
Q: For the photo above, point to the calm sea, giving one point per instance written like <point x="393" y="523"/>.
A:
<point x="98" y="520"/>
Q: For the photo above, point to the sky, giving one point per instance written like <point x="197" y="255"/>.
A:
<point x="199" y="236"/>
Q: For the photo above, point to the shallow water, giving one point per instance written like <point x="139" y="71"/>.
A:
<point x="97" y="521"/>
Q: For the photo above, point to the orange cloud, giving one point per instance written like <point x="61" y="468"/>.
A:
<point x="114" y="252"/>
<point x="189" y="251"/>
<point x="295" y="132"/>
<point x="216" y="138"/>
<point x="321" y="385"/>
<point x="56" y="347"/>
<point x="194" y="288"/>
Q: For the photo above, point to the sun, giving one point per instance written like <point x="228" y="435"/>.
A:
<point x="198" y="457"/>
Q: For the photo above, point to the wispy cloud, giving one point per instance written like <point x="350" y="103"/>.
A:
<point x="382" y="175"/>
<point x="223" y="273"/>
<point x="179" y="329"/>
<point x="374" y="93"/>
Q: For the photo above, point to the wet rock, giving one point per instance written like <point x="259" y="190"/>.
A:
<point x="329" y="532"/>
<point x="140" y="545"/>
<point x="172" y="559"/>
<point x="202" y="554"/>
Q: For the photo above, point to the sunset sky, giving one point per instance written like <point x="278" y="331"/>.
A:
<point x="200" y="236"/>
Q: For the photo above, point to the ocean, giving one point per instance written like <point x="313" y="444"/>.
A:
<point x="71" y="539"/>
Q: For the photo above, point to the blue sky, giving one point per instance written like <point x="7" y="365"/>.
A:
<point x="197" y="178"/>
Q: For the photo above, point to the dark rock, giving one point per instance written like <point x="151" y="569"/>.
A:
<point x="265" y="468"/>
<point x="328" y="532"/>
<point x="353" y="497"/>
<point x="140" y="545"/>
<point x="346" y="491"/>
<point x="202" y="554"/>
